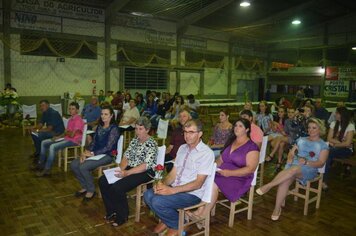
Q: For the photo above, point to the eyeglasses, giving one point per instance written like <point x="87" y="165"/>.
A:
<point x="191" y="132"/>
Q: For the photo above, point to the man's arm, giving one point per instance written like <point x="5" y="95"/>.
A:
<point x="162" y="189"/>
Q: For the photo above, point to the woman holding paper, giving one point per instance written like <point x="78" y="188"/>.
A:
<point x="99" y="153"/>
<point x="72" y="137"/>
<point x="138" y="160"/>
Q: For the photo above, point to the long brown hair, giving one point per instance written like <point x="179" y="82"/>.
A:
<point x="343" y="123"/>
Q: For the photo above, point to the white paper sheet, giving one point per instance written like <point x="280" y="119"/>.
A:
<point x="110" y="175"/>
<point x="95" y="158"/>
<point x="59" y="139"/>
<point x="34" y="133"/>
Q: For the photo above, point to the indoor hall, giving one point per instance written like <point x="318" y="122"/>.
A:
<point x="209" y="60"/>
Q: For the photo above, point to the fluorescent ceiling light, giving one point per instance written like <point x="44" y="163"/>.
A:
<point x="296" y="22"/>
<point x="245" y="4"/>
<point x="136" y="13"/>
<point x="353" y="48"/>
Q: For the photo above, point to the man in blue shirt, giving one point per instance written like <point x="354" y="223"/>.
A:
<point x="92" y="112"/>
<point x="51" y="124"/>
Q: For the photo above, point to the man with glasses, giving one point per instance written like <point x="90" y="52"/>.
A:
<point x="184" y="185"/>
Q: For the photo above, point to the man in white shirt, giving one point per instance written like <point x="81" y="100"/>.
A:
<point x="185" y="184"/>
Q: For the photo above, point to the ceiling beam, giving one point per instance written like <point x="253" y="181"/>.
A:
<point x="198" y="15"/>
<point x="114" y="7"/>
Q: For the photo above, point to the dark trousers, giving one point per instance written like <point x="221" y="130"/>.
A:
<point x="114" y="195"/>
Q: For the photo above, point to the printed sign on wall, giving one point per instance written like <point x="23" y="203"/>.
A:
<point x="336" y="88"/>
<point x="35" y="22"/>
<point x="347" y="73"/>
<point x="54" y="8"/>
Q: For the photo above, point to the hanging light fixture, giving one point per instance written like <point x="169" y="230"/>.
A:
<point x="245" y="4"/>
<point x="296" y="22"/>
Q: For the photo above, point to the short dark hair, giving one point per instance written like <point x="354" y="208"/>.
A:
<point x="44" y="101"/>
<point x="246" y="112"/>
<point x="74" y="104"/>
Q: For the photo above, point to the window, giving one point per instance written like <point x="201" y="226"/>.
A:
<point x="145" y="78"/>
<point x="61" y="46"/>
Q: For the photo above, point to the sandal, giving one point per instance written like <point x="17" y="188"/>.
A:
<point x="268" y="158"/>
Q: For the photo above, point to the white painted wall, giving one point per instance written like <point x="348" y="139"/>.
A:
<point x="44" y="76"/>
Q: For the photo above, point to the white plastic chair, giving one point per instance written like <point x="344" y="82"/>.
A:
<point x="162" y="130"/>
<point x="143" y="187"/>
<point x="75" y="150"/>
<point x="57" y="107"/>
<point x="209" y="183"/>
<point x="308" y="189"/>
<point x="120" y="151"/>
<point x="31" y="113"/>
<point x="81" y="104"/>
<point x="248" y="202"/>
<point x="262" y="158"/>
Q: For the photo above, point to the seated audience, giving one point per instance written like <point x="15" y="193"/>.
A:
<point x="176" y="107"/>
<point x="101" y="96"/>
<point x="71" y="137"/>
<point x="340" y="137"/>
<point x="184" y="186"/>
<point x="151" y="107"/>
<point x="129" y="118"/>
<point x="320" y="111"/>
<point x="117" y="100"/>
<point x="109" y="97"/>
<point x="140" y="103"/>
<point x="277" y="135"/>
<point x="162" y="107"/>
<point x="193" y="105"/>
<point x="91" y="113"/>
<point x="104" y="142"/>
<point x="237" y="164"/>
<point x="264" y="118"/>
<point x="333" y="114"/>
<point x="221" y="133"/>
<point x="126" y="102"/>
<point x="304" y="159"/>
<point x="248" y="106"/>
<point x="256" y="134"/>
<point x="176" y="139"/>
<point x="135" y="168"/>
<point x="51" y="124"/>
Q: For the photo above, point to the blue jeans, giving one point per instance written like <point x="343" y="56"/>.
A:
<point x="342" y="153"/>
<point x="37" y="140"/>
<point x="82" y="171"/>
<point x="166" y="206"/>
<point x="52" y="148"/>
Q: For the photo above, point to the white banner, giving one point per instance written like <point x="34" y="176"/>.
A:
<point x="35" y="22"/>
<point x="161" y="38"/>
<point x="347" y="73"/>
<point x="54" y="8"/>
<point x="336" y="88"/>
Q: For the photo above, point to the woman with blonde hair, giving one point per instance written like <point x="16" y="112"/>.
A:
<point x="304" y="159"/>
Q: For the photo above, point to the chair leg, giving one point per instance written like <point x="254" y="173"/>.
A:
<point x="261" y="173"/>
<point x="59" y="158"/>
<point x="250" y="203"/>
<point x="320" y="185"/>
<point x="296" y="190"/>
<point x="138" y="203"/>
<point x="181" y="222"/>
<point x="307" y="196"/>
<point x="65" y="159"/>
<point x="232" y="214"/>
<point x="213" y="210"/>
<point x="207" y="225"/>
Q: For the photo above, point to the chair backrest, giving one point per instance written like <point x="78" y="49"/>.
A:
<point x="162" y="128"/>
<point x="29" y="110"/>
<point x="57" y="107"/>
<point x="161" y="153"/>
<point x="81" y="104"/>
<point x="116" y="112"/>
<point x="253" y="183"/>
<point x="120" y="149"/>
<point x="84" y="136"/>
<point x="209" y="183"/>
<point x="263" y="149"/>
<point x="65" y="122"/>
